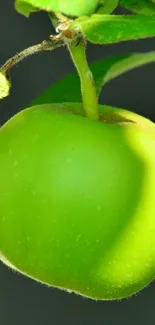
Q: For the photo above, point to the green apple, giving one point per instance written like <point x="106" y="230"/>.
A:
<point x="77" y="199"/>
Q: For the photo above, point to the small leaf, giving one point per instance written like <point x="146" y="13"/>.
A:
<point x="68" y="88"/>
<point x="103" y="29"/>
<point x="142" y="7"/>
<point x="107" y="6"/>
<point x="4" y="86"/>
<point x="24" y="8"/>
<point x="68" y="7"/>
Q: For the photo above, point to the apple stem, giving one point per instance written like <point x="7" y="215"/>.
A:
<point x="88" y="89"/>
<point x="76" y="44"/>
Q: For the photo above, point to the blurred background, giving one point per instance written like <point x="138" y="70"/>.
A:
<point x="22" y="300"/>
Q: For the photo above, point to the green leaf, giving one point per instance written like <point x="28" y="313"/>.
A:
<point x="107" y="6"/>
<point x="68" y="88"/>
<point x="4" y="86"/>
<point x="68" y="7"/>
<point x="142" y="7"/>
<point x="24" y="8"/>
<point x="103" y="29"/>
<point x="118" y="65"/>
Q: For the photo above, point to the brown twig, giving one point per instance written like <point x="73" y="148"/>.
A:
<point x="47" y="45"/>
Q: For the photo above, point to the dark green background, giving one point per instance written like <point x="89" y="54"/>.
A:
<point x="23" y="301"/>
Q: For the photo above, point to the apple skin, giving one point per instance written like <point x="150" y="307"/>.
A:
<point x="77" y="203"/>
